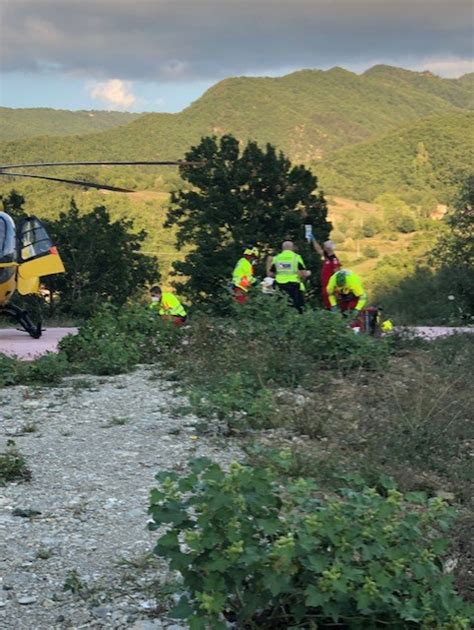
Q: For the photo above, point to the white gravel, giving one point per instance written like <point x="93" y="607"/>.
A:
<point x="93" y="456"/>
<point x="433" y="332"/>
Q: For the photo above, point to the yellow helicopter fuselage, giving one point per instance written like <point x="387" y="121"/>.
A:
<point x="25" y="258"/>
<point x="8" y="283"/>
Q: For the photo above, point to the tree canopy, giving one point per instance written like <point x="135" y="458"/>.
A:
<point x="456" y="247"/>
<point x="236" y="198"/>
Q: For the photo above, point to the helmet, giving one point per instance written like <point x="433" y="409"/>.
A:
<point x="251" y="251"/>
<point x="341" y="278"/>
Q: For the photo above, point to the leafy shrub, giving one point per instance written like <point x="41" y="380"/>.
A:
<point x="116" y="339"/>
<point x="48" y="369"/>
<point x="235" y="392"/>
<point x="372" y="226"/>
<point x="233" y="364"/>
<point x="406" y="223"/>
<point x="262" y="555"/>
<point x="442" y="296"/>
<point x="13" y="465"/>
<point x="370" y="252"/>
<point x="8" y="371"/>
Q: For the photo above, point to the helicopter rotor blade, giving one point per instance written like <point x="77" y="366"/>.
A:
<point x="70" y="181"/>
<point x="106" y="163"/>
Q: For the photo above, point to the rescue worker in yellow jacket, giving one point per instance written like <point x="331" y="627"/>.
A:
<point x="167" y="305"/>
<point x="289" y="272"/>
<point x="346" y="292"/>
<point x="243" y="275"/>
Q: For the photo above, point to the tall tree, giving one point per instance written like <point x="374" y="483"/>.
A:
<point x="456" y="247"/>
<point x="236" y="198"/>
<point x="13" y="204"/>
<point x="102" y="260"/>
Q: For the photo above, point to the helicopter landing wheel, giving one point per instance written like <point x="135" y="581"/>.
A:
<point x="23" y="319"/>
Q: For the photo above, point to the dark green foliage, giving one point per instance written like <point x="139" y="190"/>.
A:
<point x="440" y="288"/>
<point x="372" y="226"/>
<point x="456" y="247"/>
<point x="116" y="339"/>
<point x="238" y="198"/>
<point x="8" y="371"/>
<point x="406" y="224"/>
<point x="389" y="163"/>
<point x="48" y="369"/>
<point x="266" y="555"/>
<point x="442" y="297"/>
<point x="102" y="260"/>
<point x="13" y="204"/>
<point x="235" y="364"/>
<point x="13" y="465"/>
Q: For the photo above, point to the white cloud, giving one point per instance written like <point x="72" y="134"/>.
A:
<point x="114" y="93"/>
<point x="451" y="68"/>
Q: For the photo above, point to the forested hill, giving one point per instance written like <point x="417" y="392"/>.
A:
<point x="434" y="154"/>
<point x="16" y="124"/>
<point x="307" y="114"/>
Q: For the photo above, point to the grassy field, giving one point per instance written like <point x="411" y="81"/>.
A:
<point x="350" y="215"/>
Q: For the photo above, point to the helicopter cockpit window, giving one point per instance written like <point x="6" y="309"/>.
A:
<point x="34" y="240"/>
<point x="7" y="239"/>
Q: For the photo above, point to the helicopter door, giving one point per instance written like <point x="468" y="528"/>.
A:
<point x="38" y="256"/>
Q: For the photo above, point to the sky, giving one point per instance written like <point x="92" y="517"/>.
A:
<point x="160" y="55"/>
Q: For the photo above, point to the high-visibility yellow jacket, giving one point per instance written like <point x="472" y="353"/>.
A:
<point x="352" y="289"/>
<point x="242" y="276"/>
<point x="287" y="264"/>
<point x="169" y="305"/>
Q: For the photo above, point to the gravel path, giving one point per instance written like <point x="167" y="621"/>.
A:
<point x="434" y="332"/>
<point x="93" y="446"/>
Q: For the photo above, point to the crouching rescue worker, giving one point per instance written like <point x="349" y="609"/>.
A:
<point x="243" y="275"/>
<point x="167" y="305"/>
<point x="289" y="271"/>
<point x="346" y="293"/>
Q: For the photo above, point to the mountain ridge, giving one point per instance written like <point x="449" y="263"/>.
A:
<point x="26" y="122"/>
<point x="307" y="113"/>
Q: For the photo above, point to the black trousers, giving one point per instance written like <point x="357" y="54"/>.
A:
<point x="295" y="294"/>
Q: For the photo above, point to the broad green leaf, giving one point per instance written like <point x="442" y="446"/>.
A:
<point x="182" y="610"/>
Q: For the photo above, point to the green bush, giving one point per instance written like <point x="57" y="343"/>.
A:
<point x="263" y="555"/>
<point x="234" y="393"/>
<point x="372" y="226"/>
<point x="48" y="369"/>
<point x="13" y="465"/>
<point x="8" y="371"/>
<point x="116" y="339"/>
<point x="370" y="252"/>
<point x="234" y="363"/>
<point x="429" y="296"/>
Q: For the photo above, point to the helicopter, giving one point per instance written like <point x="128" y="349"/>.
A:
<point x="27" y="253"/>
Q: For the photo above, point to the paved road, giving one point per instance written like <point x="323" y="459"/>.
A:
<point x="19" y="344"/>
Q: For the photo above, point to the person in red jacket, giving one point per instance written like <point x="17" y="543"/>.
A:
<point x="331" y="264"/>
